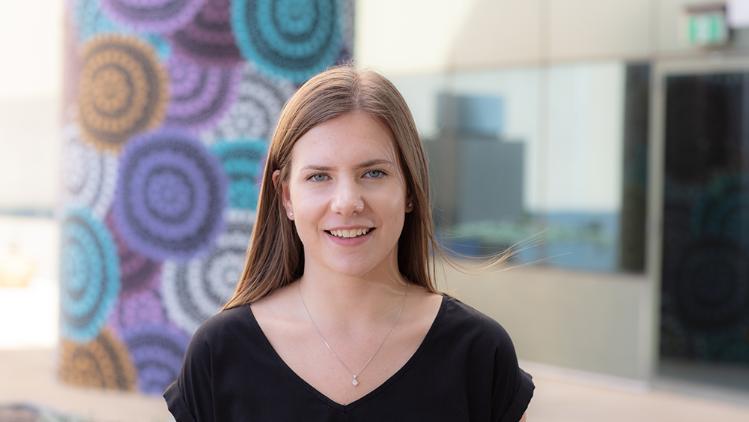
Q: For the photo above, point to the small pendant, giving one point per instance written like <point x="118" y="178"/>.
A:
<point x="355" y="381"/>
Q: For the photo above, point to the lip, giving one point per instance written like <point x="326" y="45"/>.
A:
<point x="349" y="228"/>
<point x="351" y="241"/>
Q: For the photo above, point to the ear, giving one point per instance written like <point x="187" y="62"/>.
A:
<point x="283" y="188"/>
<point x="409" y="204"/>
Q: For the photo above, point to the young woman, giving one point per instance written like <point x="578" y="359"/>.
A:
<point x="336" y="316"/>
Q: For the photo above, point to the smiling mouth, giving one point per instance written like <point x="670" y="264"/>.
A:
<point x="349" y="234"/>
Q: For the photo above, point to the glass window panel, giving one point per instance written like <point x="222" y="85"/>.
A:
<point x="545" y="159"/>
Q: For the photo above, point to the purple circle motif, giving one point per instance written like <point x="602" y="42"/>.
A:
<point x="200" y="94"/>
<point x="208" y="38"/>
<point x="136" y="309"/>
<point x="170" y="195"/>
<point x="137" y="272"/>
<point x="157" y="350"/>
<point x="162" y="16"/>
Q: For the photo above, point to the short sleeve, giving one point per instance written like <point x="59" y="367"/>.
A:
<point x="512" y="387"/>
<point x="190" y="397"/>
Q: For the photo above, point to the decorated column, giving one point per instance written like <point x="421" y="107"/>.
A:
<point x="169" y="106"/>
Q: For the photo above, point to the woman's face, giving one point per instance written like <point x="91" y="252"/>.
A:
<point x="347" y="195"/>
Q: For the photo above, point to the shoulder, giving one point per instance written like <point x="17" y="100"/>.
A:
<point x="465" y="320"/>
<point x="225" y="324"/>
<point x="491" y="350"/>
<point x="461" y="323"/>
<point x="228" y="319"/>
<point x="191" y="396"/>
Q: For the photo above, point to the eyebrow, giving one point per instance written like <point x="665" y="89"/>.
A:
<point x="359" y="166"/>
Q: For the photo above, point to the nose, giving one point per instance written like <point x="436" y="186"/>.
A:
<point x="347" y="199"/>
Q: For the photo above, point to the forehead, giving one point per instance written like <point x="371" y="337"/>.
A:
<point x="345" y="140"/>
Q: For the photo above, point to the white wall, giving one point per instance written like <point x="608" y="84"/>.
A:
<point x="407" y="35"/>
<point x="584" y="321"/>
<point x="30" y="145"/>
<point x="595" y="29"/>
<point x="397" y="36"/>
<point x="31" y="42"/>
<point x="30" y="89"/>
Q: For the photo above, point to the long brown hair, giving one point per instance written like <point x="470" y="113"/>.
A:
<point x="275" y="256"/>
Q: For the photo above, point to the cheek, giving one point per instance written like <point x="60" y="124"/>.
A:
<point x="309" y="210"/>
<point x="305" y="200"/>
<point x="393" y="200"/>
<point x="391" y="209"/>
<point x="397" y="208"/>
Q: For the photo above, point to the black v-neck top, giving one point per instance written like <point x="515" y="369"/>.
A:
<point x="465" y="369"/>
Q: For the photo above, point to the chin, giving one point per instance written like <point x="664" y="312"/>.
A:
<point x="352" y="269"/>
<point x="357" y="266"/>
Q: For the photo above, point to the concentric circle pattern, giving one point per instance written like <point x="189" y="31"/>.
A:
<point x="170" y="197"/>
<point x="243" y="163"/>
<point x="101" y="363"/>
<point x="208" y="38"/>
<point x="157" y="351"/>
<point x="194" y="291"/>
<point x="722" y="210"/>
<point x="123" y="90"/>
<point x="138" y="308"/>
<point x="89" y="175"/>
<point x="712" y="289"/>
<point x="92" y="21"/>
<point x="161" y="16"/>
<point x="255" y="111"/>
<point x="89" y="275"/>
<point x="291" y="38"/>
<point x="200" y="94"/>
<point x="725" y="346"/>
<point x="168" y="109"/>
<point x="674" y="338"/>
<point x="346" y="22"/>
<point x="137" y="272"/>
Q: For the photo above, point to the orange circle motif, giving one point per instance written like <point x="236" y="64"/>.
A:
<point x="123" y="90"/>
<point x="101" y="363"/>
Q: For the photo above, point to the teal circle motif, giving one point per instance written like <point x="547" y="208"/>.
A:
<point x="293" y="39"/>
<point x="242" y="162"/>
<point x="89" y="275"/>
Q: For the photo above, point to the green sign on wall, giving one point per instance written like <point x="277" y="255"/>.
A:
<point x="708" y="29"/>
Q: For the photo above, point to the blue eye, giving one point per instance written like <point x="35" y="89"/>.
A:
<point x="375" y="174"/>
<point x="318" y="177"/>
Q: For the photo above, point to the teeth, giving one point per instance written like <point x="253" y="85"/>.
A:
<point x="349" y="233"/>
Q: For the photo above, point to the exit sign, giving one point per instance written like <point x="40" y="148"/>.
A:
<point x="707" y="27"/>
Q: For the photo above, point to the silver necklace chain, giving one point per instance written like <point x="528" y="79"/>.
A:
<point x="354" y="375"/>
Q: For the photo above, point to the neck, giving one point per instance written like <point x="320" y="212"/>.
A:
<point x="349" y="303"/>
